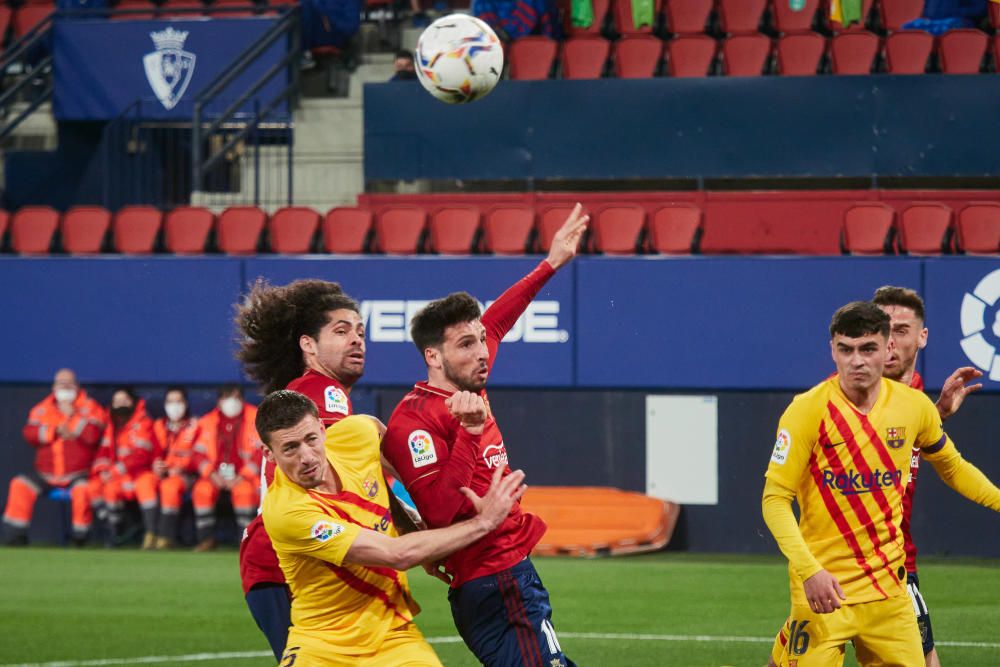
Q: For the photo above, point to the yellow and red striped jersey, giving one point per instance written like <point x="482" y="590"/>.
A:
<point x="849" y="471"/>
<point x="349" y="607"/>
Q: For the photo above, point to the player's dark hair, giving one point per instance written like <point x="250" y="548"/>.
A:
<point x="428" y="325"/>
<point x="903" y="297"/>
<point x="181" y="390"/>
<point x="280" y="410"/>
<point x="859" y="318"/>
<point x="272" y="319"/>
<point x="229" y="388"/>
<point x="129" y="391"/>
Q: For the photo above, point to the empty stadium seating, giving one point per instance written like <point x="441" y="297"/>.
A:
<point x="453" y="230"/>
<point x="978" y="229"/>
<point x="624" y="23"/>
<point x="291" y="229"/>
<point x="238" y="229"/>
<point x="685" y="17"/>
<point x="853" y="52"/>
<point x="800" y="54"/>
<point x="616" y="229"/>
<point x="740" y="16"/>
<point x="531" y="57"/>
<point x="32" y="229"/>
<point x="398" y="230"/>
<point x="601" y="8"/>
<point x="4" y="222"/>
<point x="134" y="229"/>
<point x="549" y="222"/>
<point x="962" y="51"/>
<point x="866" y="8"/>
<point x="745" y="55"/>
<point x="787" y="20"/>
<point x="584" y="57"/>
<point x="29" y="16"/>
<point x="83" y="229"/>
<point x="868" y="228"/>
<point x="690" y="55"/>
<point x="907" y="52"/>
<point x="673" y="229"/>
<point x="637" y="57"/>
<point x="346" y="230"/>
<point x="923" y="229"/>
<point x="895" y="13"/>
<point x="507" y="229"/>
<point x="186" y="229"/>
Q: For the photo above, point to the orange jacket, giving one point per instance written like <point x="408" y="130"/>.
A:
<point x="58" y="459"/>
<point x="130" y="449"/>
<point x="249" y="446"/>
<point x="177" y="445"/>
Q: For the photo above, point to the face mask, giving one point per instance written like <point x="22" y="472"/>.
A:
<point x="231" y="407"/>
<point x="175" y="410"/>
<point x="121" y="414"/>
<point x="65" y="395"/>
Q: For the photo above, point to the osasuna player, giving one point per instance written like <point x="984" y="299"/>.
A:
<point x="498" y="602"/>
<point x="307" y="336"/>
<point x="842" y="452"/>
<point x="327" y="512"/>
<point x="908" y="334"/>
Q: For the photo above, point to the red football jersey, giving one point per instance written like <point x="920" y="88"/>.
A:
<point x="435" y="456"/>
<point x="258" y="562"/>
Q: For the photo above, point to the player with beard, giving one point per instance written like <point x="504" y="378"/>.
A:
<point x="498" y="602"/>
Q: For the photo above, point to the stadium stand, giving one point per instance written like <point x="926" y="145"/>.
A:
<point x="4" y="223"/>
<point x="907" y="52"/>
<point x="868" y="229"/>
<point x="238" y="229"/>
<point x="895" y="13"/>
<point x="690" y="55"/>
<point x="924" y="228"/>
<point x="673" y="230"/>
<point x="292" y="229"/>
<point x="134" y="229"/>
<point x="637" y="57"/>
<point x="32" y="229"/>
<point x="978" y="229"/>
<point x="853" y="52"/>
<point x="740" y="16"/>
<point x="584" y="57"/>
<point x="453" y="230"/>
<point x="138" y="10"/>
<point x="685" y="17"/>
<point x="624" y="23"/>
<point x="994" y="15"/>
<point x="786" y="20"/>
<point x="600" y="8"/>
<point x="30" y="15"/>
<point x="799" y="54"/>
<point x="866" y="10"/>
<point x="745" y="55"/>
<point x="83" y="229"/>
<point x="507" y="230"/>
<point x="186" y="229"/>
<point x="962" y="51"/>
<point x="548" y="224"/>
<point x="399" y="230"/>
<point x="531" y="57"/>
<point x="346" y="230"/>
<point x="616" y="229"/>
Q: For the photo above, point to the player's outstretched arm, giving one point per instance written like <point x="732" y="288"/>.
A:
<point x="955" y="389"/>
<point x="402" y="553"/>
<point x="566" y="242"/>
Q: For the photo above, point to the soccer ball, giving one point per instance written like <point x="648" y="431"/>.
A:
<point x="459" y="59"/>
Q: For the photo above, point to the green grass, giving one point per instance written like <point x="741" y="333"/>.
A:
<point x="60" y="604"/>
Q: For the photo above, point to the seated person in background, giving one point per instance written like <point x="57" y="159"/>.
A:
<point x="405" y="70"/>
<point x="176" y="468"/>
<point x="227" y="455"/>
<point x="123" y="469"/>
<point x="65" y="430"/>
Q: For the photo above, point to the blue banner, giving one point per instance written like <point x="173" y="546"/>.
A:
<point x="163" y="64"/>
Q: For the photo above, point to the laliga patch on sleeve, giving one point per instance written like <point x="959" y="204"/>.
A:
<point x="422" y="449"/>
<point x="781" y="446"/>
<point x="325" y="530"/>
<point x="335" y="400"/>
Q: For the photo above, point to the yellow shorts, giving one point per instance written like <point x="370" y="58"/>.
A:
<point x="884" y="633"/>
<point x="403" y="647"/>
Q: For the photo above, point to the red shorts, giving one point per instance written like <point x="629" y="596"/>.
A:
<point x="258" y="562"/>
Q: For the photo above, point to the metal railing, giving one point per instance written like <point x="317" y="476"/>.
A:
<point x="23" y="51"/>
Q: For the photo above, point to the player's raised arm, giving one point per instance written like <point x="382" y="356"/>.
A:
<point x="566" y="242"/>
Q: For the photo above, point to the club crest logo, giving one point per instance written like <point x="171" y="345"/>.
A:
<point x="324" y="530"/>
<point x="335" y="400"/>
<point x="422" y="449"/>
<point x="895" y="436"/>
<point x="370" y="485"/>
<point x="169" y="68"/>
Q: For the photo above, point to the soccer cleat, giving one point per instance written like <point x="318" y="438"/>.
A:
<point x="148" y="541"/>
<point x="207" y="544"/>
<point x="162" y="544"/>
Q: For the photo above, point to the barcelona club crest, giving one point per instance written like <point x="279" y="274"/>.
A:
<point x="895" y="436"/>
<point x="371" y="487"/>
<point x="169" y="68"/>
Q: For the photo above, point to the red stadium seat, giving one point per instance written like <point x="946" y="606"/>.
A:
<point x="29" y="16"/>
<point x="84" y="228"/>
<point x="853" y="52"/>
<point x="799" y="55"/>
<point x="623" y="18"/>
<point x="506" y="230"/>
<point x="531" y="57"/>
<point x="139" y="10"/>
<point x="238" y="229"/>
<point x="549" y="223"/>
<point x="745" y="55"/>
<point x="637" y="57"/>
<point x="906" y="52"/>
<point x="962" y="51"/>
<point x="740" y="16"/>
<point x="685" y="17"/>
<point x="232" y="9"/>
<point x="346" y="230"/>
<point x="32" y="229"/>
<point x="584" y="57"/>
<point x="868" y="228"/>
<point x="398" y="229"/>
<point x="866" y="9"/>
<point x="690" y="56"/>
<point x="673" y="229"/>
<point x="182" y="8"/>
<point x="601" y="8"/>
<point x="453" y="230"/>
<point x="979" y="229"/>
<point x="897" y="12"/>
<point x="617" y="229"/>
<point x="787" y="20"/>
<point x="923" y="228"/>
<point x="186" y="229"/>
<point x="4" y="222"/>
<point x="134" y="229"/>
<point x="5" y="16"/>
<point x="292" y="229"/>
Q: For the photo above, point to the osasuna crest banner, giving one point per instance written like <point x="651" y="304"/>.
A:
<point x="103" y="67"/>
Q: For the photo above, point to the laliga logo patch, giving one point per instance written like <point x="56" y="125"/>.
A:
<point x="335" y="400"/>
<point x="370" y="486"/>
<point x="422" y="449"/>
<point x="170" y="67"/>
<point x="981" y="325"/>
<point x="324" y="530"/>
<point x="895" y="436"/>
<point x="781" y="446"/>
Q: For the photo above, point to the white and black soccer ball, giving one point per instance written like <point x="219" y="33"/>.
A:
<point x="459" y="59"/>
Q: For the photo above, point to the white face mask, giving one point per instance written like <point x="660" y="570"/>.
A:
<point x="174" y="409"/>
<point x="231" y="407"/>
<point x="65" y="395"/>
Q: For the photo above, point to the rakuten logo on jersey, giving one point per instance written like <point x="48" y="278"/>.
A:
<point x="852" y="482"/>
<point x="388" y="321"/>
<point x="495" y="456"/>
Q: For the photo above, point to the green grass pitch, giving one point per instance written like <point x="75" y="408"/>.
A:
<point x="116" y="607"/>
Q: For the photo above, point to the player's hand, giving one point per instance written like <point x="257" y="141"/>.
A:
<point x="823" y="592"/>
<point x="469" y="409"/>
<point x="955" y="390"/>
<point x="500" y="497"/>
<point x="566" y="242"/>
<point x="436" y="570"/>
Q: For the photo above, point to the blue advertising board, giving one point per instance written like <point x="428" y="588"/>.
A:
<point x="163" y="63"/>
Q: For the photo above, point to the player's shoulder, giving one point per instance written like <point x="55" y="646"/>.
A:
<point x="813" y="401"/>
<point x="354" y="425"/>
<point x="328" y="394"/>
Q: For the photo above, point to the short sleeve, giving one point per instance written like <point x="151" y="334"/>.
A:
<point x="311" y="532"/>
<point x="793" y="446"/>
<point x="414" y="447"/>
<point x="354" y="442"/>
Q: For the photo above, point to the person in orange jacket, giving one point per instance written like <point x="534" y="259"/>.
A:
<point x="65" y="429"/>
<point x="228" y="453"/>
<point x="177" y="467"/>
<point x="123" y="468"/>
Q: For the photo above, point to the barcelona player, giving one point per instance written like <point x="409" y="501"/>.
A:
<point x="841" y="452"/>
